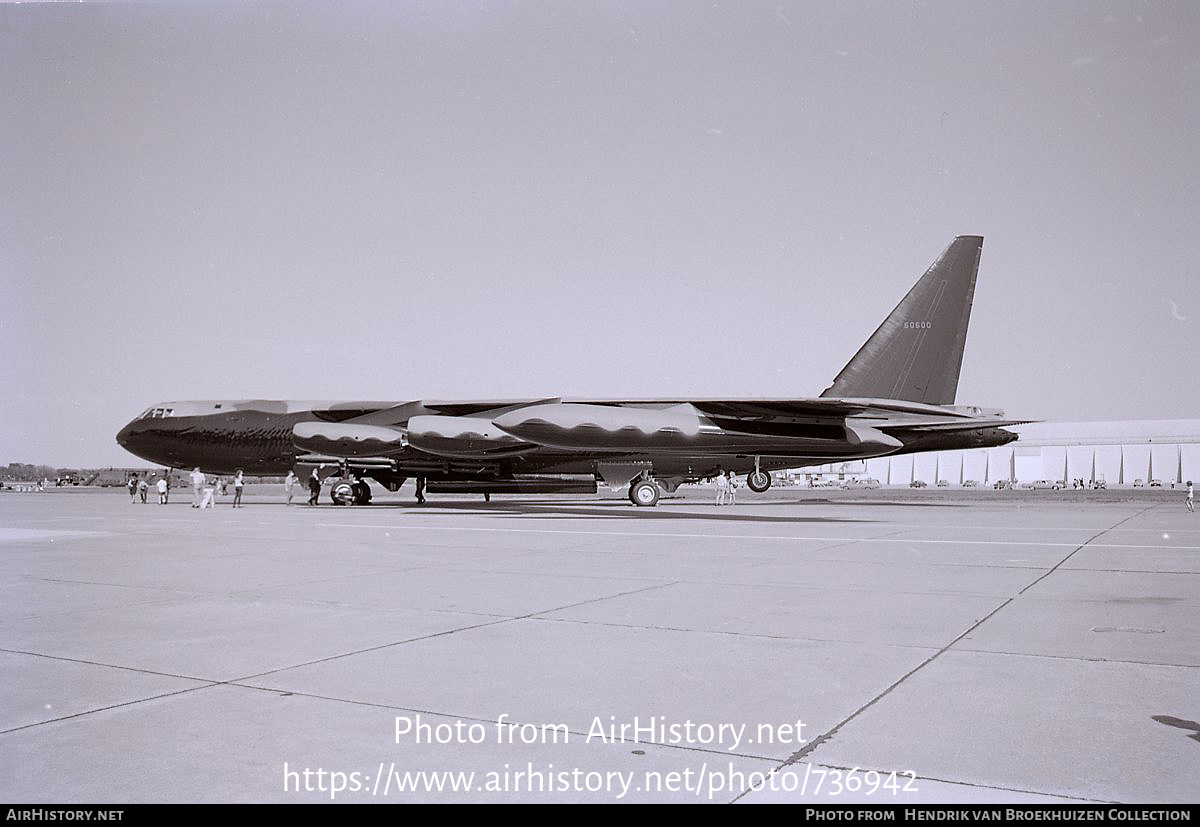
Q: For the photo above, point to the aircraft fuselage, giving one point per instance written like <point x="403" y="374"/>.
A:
<point x="260" y="438"/>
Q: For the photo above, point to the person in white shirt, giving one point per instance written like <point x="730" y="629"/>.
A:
<point x="197" y="483"/>
<point x="1190" y="501"/>
<point x="210" y="494"/>
<point x="162" y="490"/>
<point x="238" y="483"/>
<point x="289" y="486"/>
<point x="722" y="483"/>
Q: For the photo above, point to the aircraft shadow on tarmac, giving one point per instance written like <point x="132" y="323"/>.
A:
<point x="1180" y="723"/>
<point x="617" y="510"/>
<point x="843" y="503"/>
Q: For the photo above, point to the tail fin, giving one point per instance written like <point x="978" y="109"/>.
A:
<point x="916" y="354"/>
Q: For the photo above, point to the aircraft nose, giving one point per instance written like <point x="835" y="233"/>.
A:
<point x="132" y="437"/>
<point x="124" y="435"/>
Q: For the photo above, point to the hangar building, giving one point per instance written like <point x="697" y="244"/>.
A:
<point x="1119" y="453"/>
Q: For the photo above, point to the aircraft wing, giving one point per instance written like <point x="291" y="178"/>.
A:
<point x="814" y="407"/>
<point x="775" y="409"/>
<point x="949" y="425"/>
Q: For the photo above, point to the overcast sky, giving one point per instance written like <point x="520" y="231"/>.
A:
<point x="618" y="199"/>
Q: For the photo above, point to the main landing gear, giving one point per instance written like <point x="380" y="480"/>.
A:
<point x="758" y="480"/>
<point x="644" y="492"/>
<point x="350" y="492"/>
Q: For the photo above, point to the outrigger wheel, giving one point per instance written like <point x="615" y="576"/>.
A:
<point x="758" y="480"/>
<point x="644" y="493"/>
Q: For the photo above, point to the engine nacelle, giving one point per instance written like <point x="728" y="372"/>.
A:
<point x="463" y="436"/>
<point x="345" y="439"/>
<point x="575" y="426"/>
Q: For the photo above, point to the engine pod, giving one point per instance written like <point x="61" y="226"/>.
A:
<point x="344" y="439"/>
<point x="576" y="426"/>
<point x="463" y="436"/>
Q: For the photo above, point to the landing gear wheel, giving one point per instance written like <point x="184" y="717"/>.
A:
<point x="342" y="493"/>
<point x="758" y="481"/>
<point x="362" y="493"/>
<point x="644" y="493"/>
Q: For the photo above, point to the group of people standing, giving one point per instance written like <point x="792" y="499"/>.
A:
<point x="205" y="491"/>
<point x="727" y="487"/>
<point x="139" y="487"/>
<point x="314" y="486"/>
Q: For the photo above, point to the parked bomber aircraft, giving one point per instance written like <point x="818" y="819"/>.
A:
<point x="895" y="396"/>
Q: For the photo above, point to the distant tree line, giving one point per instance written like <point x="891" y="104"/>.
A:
<point x="25" y="471"/>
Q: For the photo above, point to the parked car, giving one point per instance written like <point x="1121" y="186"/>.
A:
<point x="1156" y="483"/>
<point x="866" y="482"/>
<point x="970" y="483"/>
<point x="1002" y="484"/>
<point x="1139" y="483"/>
<point x="1100" y="484"/>
<point x="1039" y="484"/>
<point x="943" y="483"/>
<point x="918" y="484"/>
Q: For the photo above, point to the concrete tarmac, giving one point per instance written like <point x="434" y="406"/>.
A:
<point x="871" y="648"/>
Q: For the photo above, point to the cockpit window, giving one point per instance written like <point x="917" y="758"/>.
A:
<point x="158" y="413"/>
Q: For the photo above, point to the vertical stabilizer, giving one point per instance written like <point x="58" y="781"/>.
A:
<point x="916" y="354"/>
